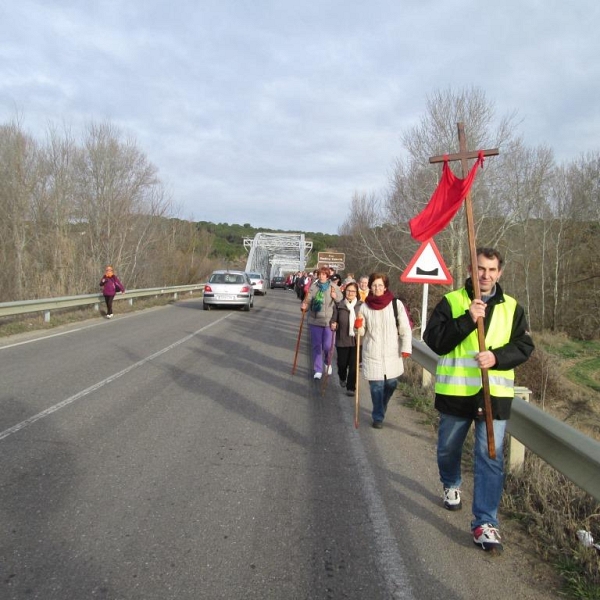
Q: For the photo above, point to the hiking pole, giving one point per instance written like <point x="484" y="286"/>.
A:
<point x="329" y="361"/>
<point x="357" y="324"/>
<point x="298" y="342"/>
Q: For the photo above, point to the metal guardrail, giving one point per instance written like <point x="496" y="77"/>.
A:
<point x="569" y="451"/>
<point x="46" y="305"/>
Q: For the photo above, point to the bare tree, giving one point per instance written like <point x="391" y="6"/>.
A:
<point x="53" y="247"/>
<point x="374" y="242"/>
<point x="414" y="179"/>
<point x="18" y="172"/>
<point x="119" y="199"/>
<point x="71" y="208"/>
<point x="436" y="134"/>
<point x="521" y="195"/>
<point x="578" y="249"/>
<point x="508" y="196"/>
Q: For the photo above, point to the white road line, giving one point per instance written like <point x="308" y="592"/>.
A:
<point x="390" y="561"/>
<point x="47" y="337"/>
<point x="58" y="334"/>
<point x="97" y="386"/>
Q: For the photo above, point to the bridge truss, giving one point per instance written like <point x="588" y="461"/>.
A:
<point x="274" y="254"/>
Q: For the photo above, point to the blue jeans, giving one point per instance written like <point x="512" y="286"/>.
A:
<point x="488" y="474"/>
<point x="381" y="392"/>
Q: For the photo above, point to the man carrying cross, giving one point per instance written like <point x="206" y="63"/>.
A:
<point x="481" y="335"/>
<point x="452" y="333"/>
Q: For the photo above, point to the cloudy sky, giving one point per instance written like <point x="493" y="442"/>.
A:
<point x="275" y="112"/>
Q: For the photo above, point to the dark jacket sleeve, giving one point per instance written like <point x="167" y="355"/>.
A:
<point x="443" y="333"/>
<point x="335" y="314"/>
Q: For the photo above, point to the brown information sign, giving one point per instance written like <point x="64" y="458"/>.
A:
<point x="337" y="260"/>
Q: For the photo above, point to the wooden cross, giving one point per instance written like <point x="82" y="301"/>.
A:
<point x="463" y="155"/>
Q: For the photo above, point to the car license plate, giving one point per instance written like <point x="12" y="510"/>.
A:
<point x="224" y="297"/>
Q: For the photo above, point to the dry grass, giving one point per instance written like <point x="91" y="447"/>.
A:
<point x="562" y="375"/>
<point x="552" y="375"/>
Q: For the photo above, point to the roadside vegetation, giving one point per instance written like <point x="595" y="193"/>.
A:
<point x="72" y="206"/>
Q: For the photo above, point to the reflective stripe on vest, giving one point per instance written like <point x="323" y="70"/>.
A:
<point x="457" y="373"/>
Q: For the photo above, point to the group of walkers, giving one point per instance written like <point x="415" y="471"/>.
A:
<point x="342" y="313"/>
<point x="367" y="308"/>
<point x="383" y="326"/>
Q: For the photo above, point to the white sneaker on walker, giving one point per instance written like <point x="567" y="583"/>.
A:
<point x="318" y="375"/>
<point x="452" y="498"/>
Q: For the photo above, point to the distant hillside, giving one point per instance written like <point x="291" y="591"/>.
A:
<point x="229" y="239"/>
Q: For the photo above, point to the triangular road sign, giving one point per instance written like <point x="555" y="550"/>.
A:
<point x="426" y="266"/>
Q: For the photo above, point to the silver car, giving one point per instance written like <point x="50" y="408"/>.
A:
<point x="228" y="288"/>
<point x="259" y="283"/>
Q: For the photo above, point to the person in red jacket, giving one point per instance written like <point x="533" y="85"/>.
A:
<point x="110" y="285"/>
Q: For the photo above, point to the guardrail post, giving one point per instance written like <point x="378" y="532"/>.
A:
<point x="516" y="450"/>
<point x="426" y="379"/>
<point x="46" y="316"/>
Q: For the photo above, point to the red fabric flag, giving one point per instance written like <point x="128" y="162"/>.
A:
<point x="444" y="203"/>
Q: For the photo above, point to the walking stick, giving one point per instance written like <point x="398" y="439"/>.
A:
<point x="485" y="380"/>
<point x="328" y="364"/>
<point x="298" y="342"/>
<point x="358" y="324"/>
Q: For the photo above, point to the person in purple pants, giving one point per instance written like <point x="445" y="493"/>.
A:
<point x="320" y="302"/>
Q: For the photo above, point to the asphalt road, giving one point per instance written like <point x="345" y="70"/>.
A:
<point x="170" y="454"/>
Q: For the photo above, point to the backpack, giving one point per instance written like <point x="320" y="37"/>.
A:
<point x="395" y="307"/>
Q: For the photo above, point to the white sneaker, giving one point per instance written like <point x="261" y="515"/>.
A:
<point x="318" y="375"/>
<point x="452" y="499"/>
<point x="487" y="537"/>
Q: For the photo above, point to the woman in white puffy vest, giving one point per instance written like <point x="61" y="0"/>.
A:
<point x="387" y="339"/>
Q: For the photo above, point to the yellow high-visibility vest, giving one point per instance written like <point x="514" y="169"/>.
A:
<point x="457" y="373"/>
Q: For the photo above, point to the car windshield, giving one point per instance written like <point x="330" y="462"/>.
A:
<point x="254" y="275"/>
